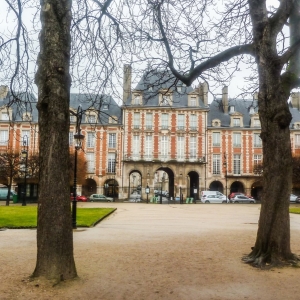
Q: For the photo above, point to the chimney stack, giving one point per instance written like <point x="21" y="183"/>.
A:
<point x="3" y="91"/>
<point x="225" y="99"/>
<point x="203" y="91"/>
<point x="126" y="82"/>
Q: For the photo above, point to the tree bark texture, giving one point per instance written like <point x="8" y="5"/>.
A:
<point x="55" y="258"/>
<point x="272" y="245"/>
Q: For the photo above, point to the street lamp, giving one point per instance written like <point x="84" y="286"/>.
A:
<point x="115" y="163"/>
<point x="225" y="166"/>
<point x="147" y="191"/>
<point x="25" y="157"/>
<point x="162" y="181"/>
<point x="78" y="137"/>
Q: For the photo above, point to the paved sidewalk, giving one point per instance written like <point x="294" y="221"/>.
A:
<point x="152" y="251"/>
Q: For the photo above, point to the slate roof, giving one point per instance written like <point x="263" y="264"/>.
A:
<point x="242" y="106"/>
<point x="151" y="84"/>
<point x="86" y="101"/>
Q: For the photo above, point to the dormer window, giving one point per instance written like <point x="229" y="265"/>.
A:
<point x="296" y="125"/>
<point x="178" y="88"/>
<point x="136" y="99"/>
<point x="150" y="88"/>
<point x="256" y="122"/>
<point x="193" y="100"/>
<point x="165" y="100"/>
<point x="105" y="106"/>
<point x="4" y="116"/>
<point x="231" y="109"/>
<point x="251" y="110"/>
<point x="90" y="119"/>
<point x="26" y="117"/>
<point x="236" y="122"/>
<point x="216" y="123"/>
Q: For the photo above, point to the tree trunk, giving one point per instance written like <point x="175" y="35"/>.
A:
<point x="55" y="258"/>
<point x="272" y="247"/>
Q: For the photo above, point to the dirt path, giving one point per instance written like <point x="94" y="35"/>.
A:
<point x="156" y="252"/>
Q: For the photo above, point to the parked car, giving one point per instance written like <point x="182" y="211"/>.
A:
<point x="135" y="197"/>
<point x="293" y="198"/>
<point x="164" y="193"/>
<point x="297" y="199"/>
<point x="213" y="199"/>
<point x="232" y="195"/>
<point x="242" y="199"/>
<point x="4" y="192"/>
<point x="79" y="198"/>
<point x="99" y="197"/>
<point x="205" y="194"/>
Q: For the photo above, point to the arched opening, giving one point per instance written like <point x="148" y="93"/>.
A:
<point x="164" y="181"/>
<point x="256" y="190"/>
<point x="237" y="187"/>
<point x="193" y="184"/>
<point x="111" y="188"/>
<point x="216" y="186"/>
<point x="135" y="182"/>
<point x="89" y="187"/>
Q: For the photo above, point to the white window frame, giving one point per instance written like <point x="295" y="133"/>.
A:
<point x="90" y="160"/>
<point x="136" y="146"/>
<point x="297" y="141"/>
<point x="3" y="137"/>
<point x="181" y="122"/>
<point x="136" y="99"/>
<point x="164" y="121"/>
<point x="90" y="141"/>
<point x="136" y="120"/>
<point x="257" y="142"/>
<point x="148" y="147"/>
<point x="111" y="163"/>
<point x="71" y="138"/>
<point x="23" y="134"/>
<point x="236" y="164"/>
<point x="236" y="122"/>
<point x="112" y="140"/>
<point x="149" y="120"/>
<point x="5" y="116"/>
<point x="237" y="139"/>
<point x="216" y="137"/>
<point x="193" y="101"/>
<point x="164" y="146"/>
<point x="193" y="122"/>
<point x="180" y="147"/>
<point x="193" y="147"/>
<point x="216" y="164"/>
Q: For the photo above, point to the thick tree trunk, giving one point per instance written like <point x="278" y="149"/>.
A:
<point x="272" y="247"/>
<point x="54" y="233"/>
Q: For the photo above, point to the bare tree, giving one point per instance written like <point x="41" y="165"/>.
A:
<point x="200" y="45"/>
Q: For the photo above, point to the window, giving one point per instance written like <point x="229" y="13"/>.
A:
<point x="216" y="164"/>
<point x="112" y="140"/>
<point x="3" y="137"/>
<point x="90" y="159"/>
<point x="180" y="147"/>
<point x="236" y="139"/>
<point x="257" y="159"/>
<point x="256" y="122"/>
<point x="136" y="120"/>
<point x="136" y="99"/>
<point x="136" y="146"/>
<point x="165" y="100"/>
<point x="251" y="110"/>
<point x="193" y="147"/>
<point x="148" y="147"/>
<point x="149" y="121"/>
<point x="257" y="164"/>
<point x="4" y="116"/>
<point x="90" y="142"/>
<point x="236" y="164"/>
<point x="193" y="122"/>
<point x="216" y="139"/>
<point x="71" y="138"/>
<point x="113" y="120"/>
<point x="111" y="163"/>
<point x="257" y="140"/>
<point x="105" y="106"/>
<point x="91" y="119"/>
<point x="297" y="141"/>
<point x="26" y="117"/>
<point x="193" y="101"/>
<point x="180" y="122"/>
<point x="231" y="109"/>
<point x="178" y="88"/>
<point x="164" y="146"/>
<point x="164" y="121"/>
<point x="72" y="118"/>
<point x="25" y="138"/>
<point x="236" y="122"/>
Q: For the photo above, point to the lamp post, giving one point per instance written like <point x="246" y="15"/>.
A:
<point x="147" y="191"/>
<point x="180" y="195"/>
<point x="162" y="181"/>
<point x="225" y="166"/>
<point x="115" y="163"/>
<point x="78" y="137"/>
<point x="25" y="157"/>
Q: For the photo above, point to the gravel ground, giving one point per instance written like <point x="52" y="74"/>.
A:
<point x="151" y="251"/>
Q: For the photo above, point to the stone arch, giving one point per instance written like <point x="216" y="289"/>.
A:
<point x="89" y="187"/>
<point x="193" y="184"/>
<point x="216" y="186"/>
<point x="237" y="187"/>
<point x="111" y="188"/>
<point x="167" y="182"/>
<point x="256" y="190"/>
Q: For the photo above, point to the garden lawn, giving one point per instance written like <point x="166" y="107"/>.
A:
<point x="26" y="216"/>
<point x="295" y="210"/>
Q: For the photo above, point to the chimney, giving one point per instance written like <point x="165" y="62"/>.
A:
<point x="3" y="91"/>
<point x="126" y="82"/>
<point x="203" y="90"/>
<point x="225" y="99"/>
<point x="255" y="96"/>
<point x="295" y="100"/>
